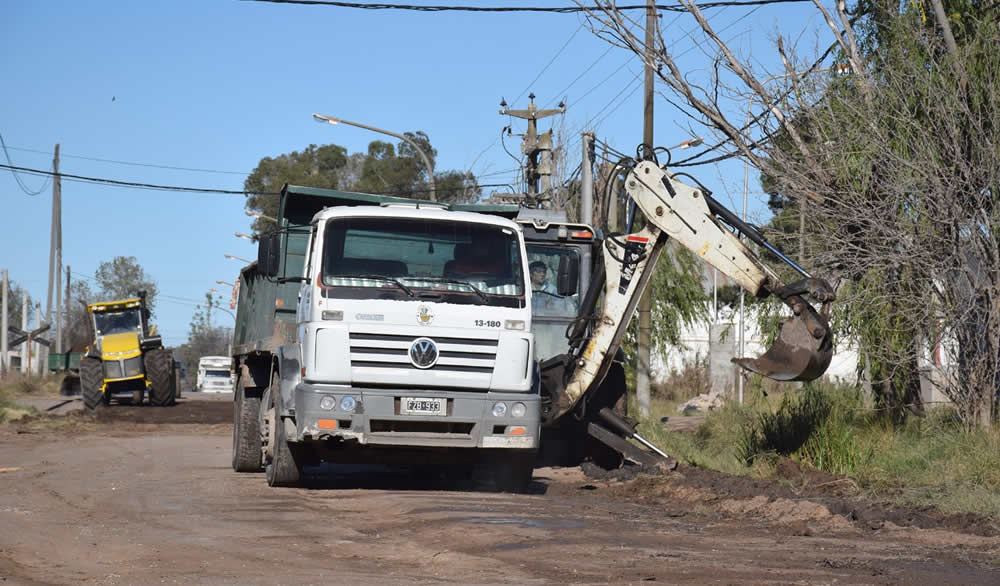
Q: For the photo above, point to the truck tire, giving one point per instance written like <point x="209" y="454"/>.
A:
<point x="246" y="430"/>
<point x="512" y="471"/>
<point x="91" y="380"/>
<point x="158" y="365"/>
<point x="284" y="468"/>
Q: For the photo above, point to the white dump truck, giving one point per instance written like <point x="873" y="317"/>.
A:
<point x="391" y="334"/>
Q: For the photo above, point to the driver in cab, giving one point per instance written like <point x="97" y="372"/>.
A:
<point x="539" y="272"/>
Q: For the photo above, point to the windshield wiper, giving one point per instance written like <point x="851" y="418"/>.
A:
<point x="384" y="278"/>
<point x="456" y="281"/>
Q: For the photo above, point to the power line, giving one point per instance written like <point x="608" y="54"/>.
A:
<point x="17" y="178"/>
<point x="551" y="61"/>
<point x="550" y="9"/>
<point x="154" y="165"/>
<point x="186" y="189"/>
<point x="138" y="185"/>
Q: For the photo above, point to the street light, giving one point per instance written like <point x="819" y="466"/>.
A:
<point x="254" y="214"/>
<point x="245" y="236"/>
<point x="231" y="257"/>
<point x="427" y="161"/>
<point x="691" y="142"/>
<point x="746" y="186"/>
<point x="227" y="283"/>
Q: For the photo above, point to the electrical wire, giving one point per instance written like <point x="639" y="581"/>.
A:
<point x="551" y="9"/>
<point x="549" y="64"/>
<point x="17" y="178"/>
<point x="186" y="189"/>
<point x="134" y="184"/>
<point x="153" y="165"/>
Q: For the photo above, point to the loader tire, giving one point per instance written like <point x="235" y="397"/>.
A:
<point x="284" y="467"/>
<point x="246" y="430"/>
<point x="91" y="380"/>
<point x="161" y="391"/>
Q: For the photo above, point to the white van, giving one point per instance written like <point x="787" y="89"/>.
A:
<point x="214" y="374"/>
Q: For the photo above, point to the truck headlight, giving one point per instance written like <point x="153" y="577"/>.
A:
<point x="518" y="410"/>
<point x="348" y="404"/>
<point x="499" y="409"/>
<point x="327" y="403"/>
<point x="514" y="324"/>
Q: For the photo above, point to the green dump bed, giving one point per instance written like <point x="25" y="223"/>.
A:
<point x="65" y="361"/>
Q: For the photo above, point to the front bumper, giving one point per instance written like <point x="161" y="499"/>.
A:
<point x="376" y="418"/>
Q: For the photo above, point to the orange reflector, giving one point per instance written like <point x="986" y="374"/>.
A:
<point x="327" y="423"/>
<point x="516" y="430"/>
<point x="581" y="234"/>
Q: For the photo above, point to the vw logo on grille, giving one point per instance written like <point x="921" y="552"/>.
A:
<point x="423" y="353"/>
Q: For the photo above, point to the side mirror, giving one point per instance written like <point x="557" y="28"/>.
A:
<point x="569" y="275"/>
<point x="269" y="247"/>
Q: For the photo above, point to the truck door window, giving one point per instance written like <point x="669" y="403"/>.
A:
<point x="543" y="266"/>
<point x="456" y="262"/>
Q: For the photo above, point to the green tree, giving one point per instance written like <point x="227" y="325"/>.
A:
<point x="123" y="277"/>
<point x="386" y="168"/>
<point x="314" y="166"/>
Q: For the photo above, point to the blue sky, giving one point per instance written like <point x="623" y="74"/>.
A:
<point x="219" y="84"/>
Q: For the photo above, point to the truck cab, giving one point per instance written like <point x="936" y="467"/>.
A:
<point x="423" y="317"/>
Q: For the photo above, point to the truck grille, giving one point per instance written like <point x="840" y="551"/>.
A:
<point x="473" y="355"/>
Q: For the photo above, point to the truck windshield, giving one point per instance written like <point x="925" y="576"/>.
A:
<point x="543" y="266"/>
<point x="219" y="373"/>
<point x="114" y="322"/>
<point x="455" y="262"/>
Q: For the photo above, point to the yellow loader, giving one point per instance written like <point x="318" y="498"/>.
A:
<point x="126" y="359"/>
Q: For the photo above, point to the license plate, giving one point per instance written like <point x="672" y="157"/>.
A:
<point x="423" y="406"/>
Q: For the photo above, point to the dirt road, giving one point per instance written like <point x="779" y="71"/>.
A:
<point x="125" y="498"/>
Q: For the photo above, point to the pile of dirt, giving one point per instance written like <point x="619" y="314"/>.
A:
<point x="799" y="497"/>
<point x="123" y="417"/>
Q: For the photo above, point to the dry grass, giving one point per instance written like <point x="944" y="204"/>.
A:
<point x="930" y="460"/>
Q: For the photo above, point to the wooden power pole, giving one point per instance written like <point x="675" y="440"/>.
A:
<point x="645" y="303"/>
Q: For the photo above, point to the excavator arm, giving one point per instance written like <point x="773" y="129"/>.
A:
<point x="696" y="221"/>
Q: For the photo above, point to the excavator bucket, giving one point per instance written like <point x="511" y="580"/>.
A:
<point x="802" y="351"/>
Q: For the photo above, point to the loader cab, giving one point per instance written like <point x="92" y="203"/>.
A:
<point x="559" y="262"/>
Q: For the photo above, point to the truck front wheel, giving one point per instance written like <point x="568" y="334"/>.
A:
<point x="284" y="466"/>
<point x="246" y="430"/>
<point x="511" y="470"/>
<point x="91" y="380"/>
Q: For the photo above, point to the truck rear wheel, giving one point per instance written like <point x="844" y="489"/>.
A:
<point x="246" y="430"/>
<point x="91" y="380"/>
<point x="158" y="364"/>
<point x="284" y="467"/>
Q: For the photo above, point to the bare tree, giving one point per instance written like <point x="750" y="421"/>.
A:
<point x="899" y="163"/>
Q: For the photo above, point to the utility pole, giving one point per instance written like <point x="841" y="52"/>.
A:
<point x="69" y="320"/>
<point x="587" y="196"/>
<point x="26" y="346"/>
<point x="645" y="303"/>
<point x="57" y="190"/>
<point x="55" y="237"/>
<point x="537" y="147"/>
<point x="3" y="325"/>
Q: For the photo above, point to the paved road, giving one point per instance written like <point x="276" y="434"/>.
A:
<point x="114" y="500"/>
